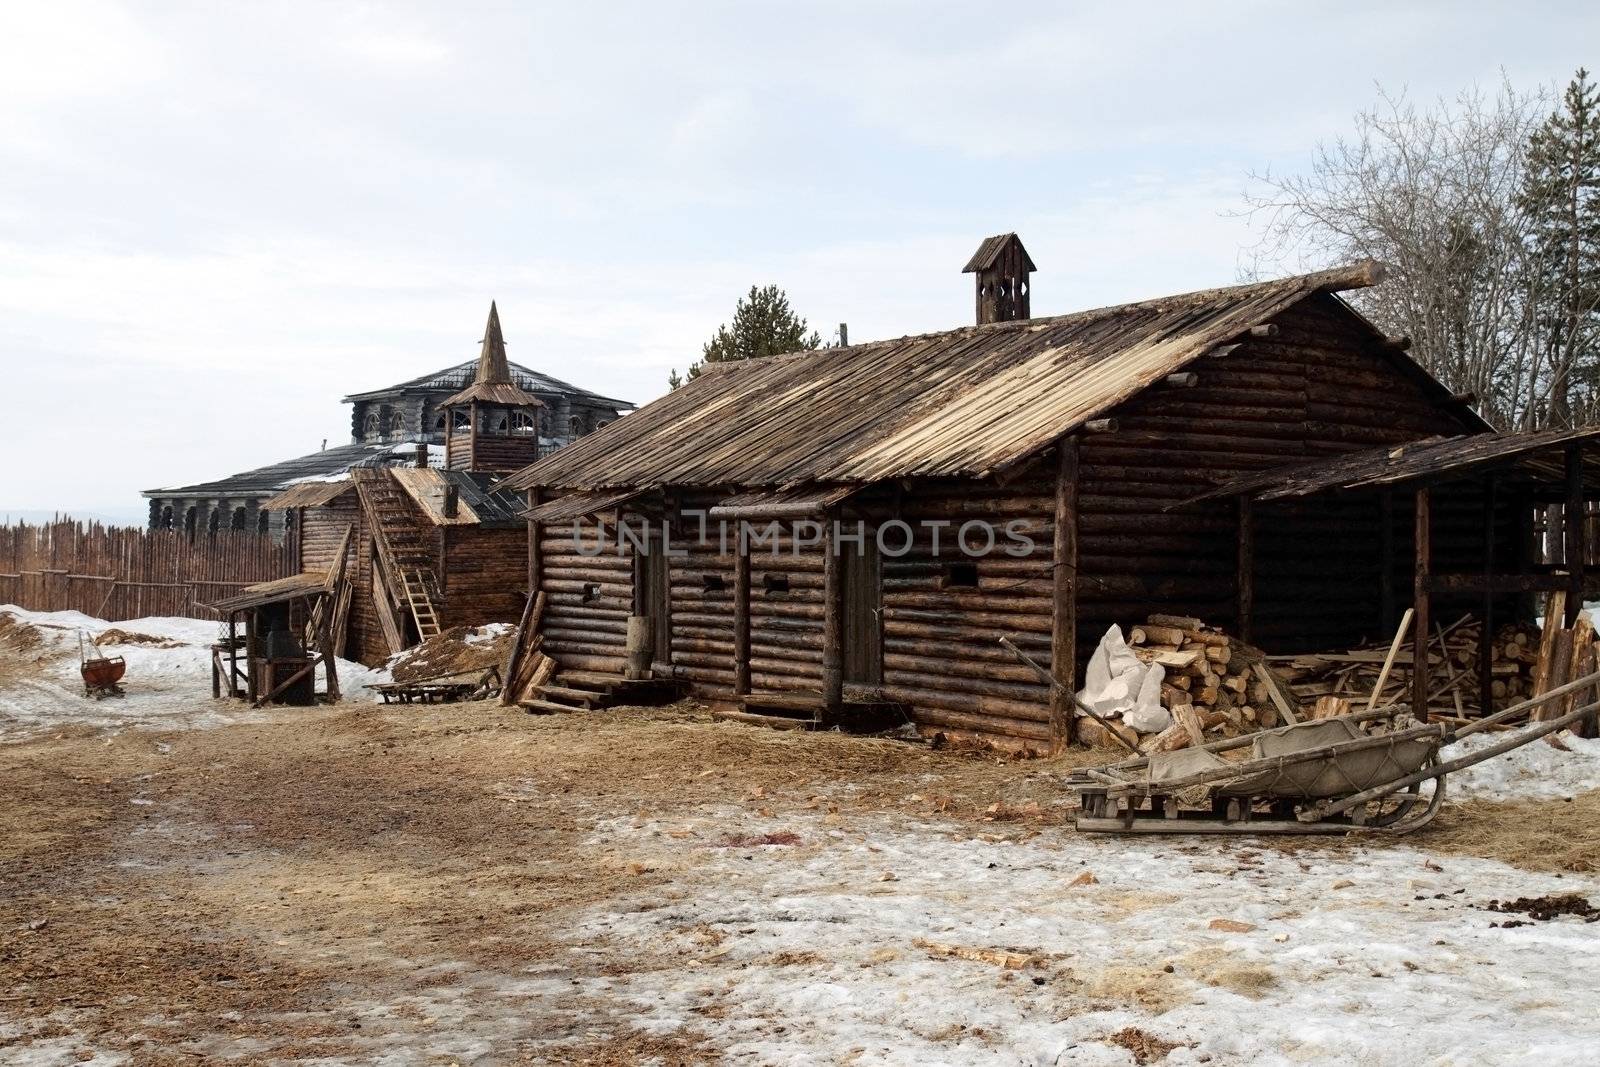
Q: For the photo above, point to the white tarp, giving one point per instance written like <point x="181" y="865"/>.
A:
<point x="1117" y="683"/>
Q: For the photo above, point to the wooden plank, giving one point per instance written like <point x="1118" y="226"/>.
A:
<point x="1388" y="661"/>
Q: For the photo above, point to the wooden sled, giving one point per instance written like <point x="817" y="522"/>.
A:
<point x="1297" y="781"/>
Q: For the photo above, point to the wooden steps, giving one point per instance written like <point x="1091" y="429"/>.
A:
<point x="406" y="549"/>
<point x="544" y="707"/>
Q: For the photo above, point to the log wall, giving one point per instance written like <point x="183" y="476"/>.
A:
<point x="1321" y="387"/>
<point x="589" y="597"/>
<point x="942" y="656"/>
<point x="484" y="574"/>
<point x="701" y="603"/>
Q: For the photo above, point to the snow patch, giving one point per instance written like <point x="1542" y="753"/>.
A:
<point x="1536" y="771"/>
<point x="166" y="687"/>
<point x="819" y="953"/>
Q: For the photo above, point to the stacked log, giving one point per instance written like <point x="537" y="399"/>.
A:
<point x="1453" y="661"/>
<point x="1215" y="686"/>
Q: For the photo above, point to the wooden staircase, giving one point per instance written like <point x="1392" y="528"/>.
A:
<point x="594" y="691"/>
<point x="407" y="555"/>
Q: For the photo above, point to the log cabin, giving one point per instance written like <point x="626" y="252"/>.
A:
<point x="859" y="526"/>
<point x="431" y="548"/>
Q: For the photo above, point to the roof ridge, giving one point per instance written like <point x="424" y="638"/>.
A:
<point x="1360" y="274"/>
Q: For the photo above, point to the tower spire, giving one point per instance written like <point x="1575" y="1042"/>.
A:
<point x="493" y="368"/>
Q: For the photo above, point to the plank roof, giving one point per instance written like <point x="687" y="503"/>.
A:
<point x="961" y="403"/>
<point x="1535" y="456"/>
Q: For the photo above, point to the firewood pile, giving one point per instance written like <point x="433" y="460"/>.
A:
<point x="1355" y="674"/>
<point x="1215" y="686"/>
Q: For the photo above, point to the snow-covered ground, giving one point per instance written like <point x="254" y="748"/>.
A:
<point x="1536" y="771"/>
<point x="168" y="684"/>
<point x="847" y="947"/>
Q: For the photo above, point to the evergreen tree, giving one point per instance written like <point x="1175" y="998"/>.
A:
<point x="763" y="325"/>
<point x="1561" y="194"/>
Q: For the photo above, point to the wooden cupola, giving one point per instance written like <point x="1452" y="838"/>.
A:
<point x="492" y="424"/>
<point x="1002" y="266"/>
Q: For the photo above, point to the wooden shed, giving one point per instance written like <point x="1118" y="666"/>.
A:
<point x="862" y="524"/>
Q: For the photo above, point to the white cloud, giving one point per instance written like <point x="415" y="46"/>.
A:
<point x="235" y="215"/>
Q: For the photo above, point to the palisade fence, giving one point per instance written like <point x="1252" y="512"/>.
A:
<point x="123" y="572"/>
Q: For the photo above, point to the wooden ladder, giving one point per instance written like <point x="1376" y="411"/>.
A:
<point x="403" y="545"/>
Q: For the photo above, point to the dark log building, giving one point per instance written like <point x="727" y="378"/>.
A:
<point x="387" y="425"/>
<point x="872" y="478"/>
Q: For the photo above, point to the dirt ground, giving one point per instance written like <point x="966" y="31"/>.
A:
<point x="359" y="883"/>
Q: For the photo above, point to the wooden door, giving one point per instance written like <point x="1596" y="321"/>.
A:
<point x="862" y="579"/>
<point x="651" y="589"/>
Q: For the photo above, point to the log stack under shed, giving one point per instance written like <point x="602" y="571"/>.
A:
<point x="1215" y="686"/>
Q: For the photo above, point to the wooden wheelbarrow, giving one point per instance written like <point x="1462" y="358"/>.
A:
<point x="1325" y="776"/>
<point x="102" y="675"/>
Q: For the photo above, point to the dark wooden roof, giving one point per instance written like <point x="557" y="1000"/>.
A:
<point x="271" y="479"/>
<point x="1535" y="457"/>
<point x="452" y="379"/>
<point x="963" y="403"/>
<point x="990" y="250"/>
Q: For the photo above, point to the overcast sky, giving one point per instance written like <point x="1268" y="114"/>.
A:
<point x="218" y="219"/>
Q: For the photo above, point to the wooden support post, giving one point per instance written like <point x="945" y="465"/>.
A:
<point x="1247" y="578"/>
<point x="325" y="636"/>
<point x="252" y="651"/>
<point x="1387" y="606"/>
<point x="1486" y="624"/>
<point x="1574" y="527"/>
<point x="741" y="614"/>
<point x="1420" y="635"/>
<point x="832" y="619"/>
<point x="535" y="553"/>
<point x="1064" y="595"/>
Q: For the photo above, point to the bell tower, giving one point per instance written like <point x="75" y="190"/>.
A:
<point x="1002" y="267"/>
<point x="492" y="424"/>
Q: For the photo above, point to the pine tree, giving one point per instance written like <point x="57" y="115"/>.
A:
<point x="1561" y="194"/>
<point x="763" y="325"/>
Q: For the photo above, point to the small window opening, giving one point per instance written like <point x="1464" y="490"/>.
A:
<point x="714" y="583"/>
<point x="575" y="426"/>
<point x="961" y="576"/>
<point x="237" y="521"/>
<point x="775" y="583"/>
<point x="262" y="518"/>
<point x="591" y="591"/>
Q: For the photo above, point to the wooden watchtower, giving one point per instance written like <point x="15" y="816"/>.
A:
<point x="492" y="424"/>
